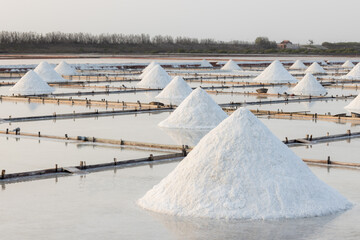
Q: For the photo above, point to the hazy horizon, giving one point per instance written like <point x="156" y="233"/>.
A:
<point x="226" y="20"/>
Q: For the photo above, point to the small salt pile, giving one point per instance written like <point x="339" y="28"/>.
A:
<point x="46" y="72"/>
<point x="275" y="73"/>
<point x="205" y="64"/>
<point x="309" y="86"/>
<point x="147" y="69"/>
<point x="298" y="65"/>
<point x="30" y="84"/>
<point x="231" y="66"/>
<point x="354" y="105"/>
<point x="348" y="64"/>
<point x="63" y="68"/>
<point x="175" y="92"/>
<point x="240" y="170"/>
<point x="354" y="74"/>
<point x="157" y="77"/>
<point x="315" y="68"/>
<point x="197" y="111"/>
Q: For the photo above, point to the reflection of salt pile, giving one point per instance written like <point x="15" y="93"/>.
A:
<point x="205" y="64"/>
<point x="354" y="105"/>
<point x="197" y="111"/>
<point x="147" y="69"/>
<point x="241" y="170"/>
<point x="46" y="72"/>
<point x="309" y="86"/>
<point x="354" y="73"/>
<point x="315" y="68"/>
<point x="30" y="84"/>
<point x="298" y="64"/>
<point x="348" y="64"/>
<point x="175" y="92"/>
<point x="157" y="77"/>
<point x="231" y="66"/>
<point x="275" y="73"/>
<point x="65" y="69"/>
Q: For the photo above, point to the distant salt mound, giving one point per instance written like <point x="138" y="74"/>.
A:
<point x="147" y="69"/>
<point x="46" y="72"/>
<point x="197" y="111"/>
<point x="299" y="65"/>
<point x="63" y="68"/>
<point x="241" y="170"/>
<point x="175" y="92"/>
<point x="30" y="84"/>
<point x="275" y="73"/>
<point x="348" y="64"/>
<point x="315" y="68"/>
<point x="157" y="77"/>
<point x="309" y="86"/>
<point x="205" y="64"/>
<point x="231" y="66"/>
<point x="354" y="74"/>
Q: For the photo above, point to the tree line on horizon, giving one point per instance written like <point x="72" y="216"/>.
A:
<point x="58" y="42"/>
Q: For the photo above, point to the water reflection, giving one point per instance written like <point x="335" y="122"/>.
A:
<point x="188" y="137"/>
<point x="279" y="90"/>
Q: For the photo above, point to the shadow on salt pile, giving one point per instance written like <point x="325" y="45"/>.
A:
<point x="189" y="137"/>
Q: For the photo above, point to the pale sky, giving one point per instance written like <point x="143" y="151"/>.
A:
<point x="298" y="21"/>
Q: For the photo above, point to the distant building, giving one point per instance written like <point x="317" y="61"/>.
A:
<point x="287" y="44"/>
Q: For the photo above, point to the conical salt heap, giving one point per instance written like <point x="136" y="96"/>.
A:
<point x="63" y="68"/>
<point x="309" y="86"/>
<point x="348" y="64"/>
<point x="275" y="73"/>
<point x="299" y="65"/>
<point x="147" y="69"/>
<point x="315" y="68"/>
<point x="46" y="72"/>
<point x="231" y="66"/>
<point x="354" y="105"/>
<point x="205" y="64"/>
<point x="157" y="77"/>
<point x="197" y="111"/>
<point x="176" y="91"/>
<point x="30" y="84"/>
<point x="354" y="74"/>
<point x="240" y="170"/>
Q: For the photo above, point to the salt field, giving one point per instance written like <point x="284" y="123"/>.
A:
<point x="227" y="151"/>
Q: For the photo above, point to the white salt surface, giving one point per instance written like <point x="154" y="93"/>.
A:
<point x="197" y="111"/>
<point x="275" y="73"/>
<point x="240" y="170"/>
<point x="354" y="105"/>
<point x="315" y="68"/>
<point x="231" y="66"/>
<point x="354" y="73"/>
<point x="46" y="72"/>
<point x="298" y="64"/>
<point x="157" y="77"/>
<point x="348" y="64"/>
<point x="309" y="86"/>
<point x="147" y="69"/>
<point x="31" y="83"/>
<point x="63" y="68"/>
<point x="205" y="64"/>
<point x="175" y="92"/>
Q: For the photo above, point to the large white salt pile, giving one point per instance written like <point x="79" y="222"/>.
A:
<point x="147" y="69"/>
<point x="30" y="84"/>
<point x="315" y="68"/>
<point x="298" y="64"/>
<point x="348" y="64"/>
<point x="231" y="66"/>
<point x="354" y="105"/>
<point x="205" y="64"/>
<point x="275" y="73"/>
<point x="240" y="170"/>
<point x="157" y="77"/>
<point x="309" y="86"/>
<point x="46" y="72"/>
<point x="354" y="74"/>
<point x="197" y="111"/>
<point x="63" y="68"/>
<point x="175" y="92"/>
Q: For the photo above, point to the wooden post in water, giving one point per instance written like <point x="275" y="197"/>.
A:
<point x="328" y="160"/>
<point x="3" y="174"/>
